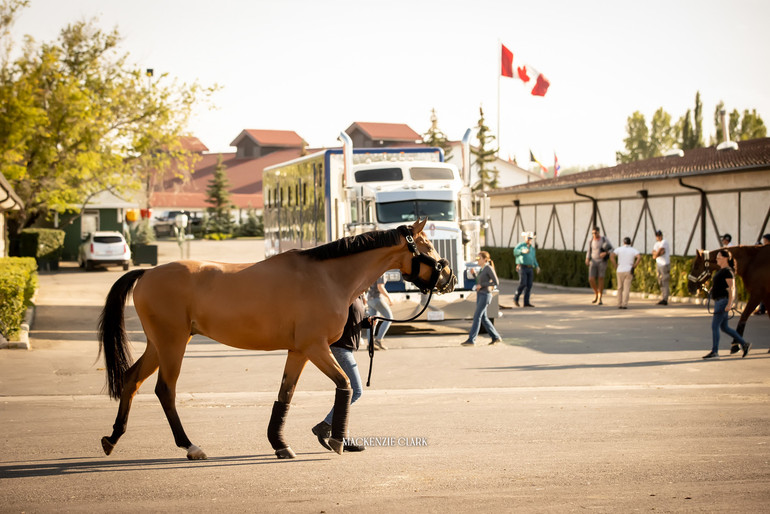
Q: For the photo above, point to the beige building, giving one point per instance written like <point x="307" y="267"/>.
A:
<point x="692" y="196"/>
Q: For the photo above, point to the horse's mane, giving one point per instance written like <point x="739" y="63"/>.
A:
<point x="353" y="244"/>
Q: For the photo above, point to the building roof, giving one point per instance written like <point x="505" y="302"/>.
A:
<point x="193" y="144"/>
<point x="751" y="155"/>
<point x="10" y="201"/>
<point x="245" y="176"/>
<point x="385" y="131"/>
<point x="286" y="138"/>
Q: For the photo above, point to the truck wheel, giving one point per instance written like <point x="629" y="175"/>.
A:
<point x="89" y="265"/>
<point x="125" y="266"/>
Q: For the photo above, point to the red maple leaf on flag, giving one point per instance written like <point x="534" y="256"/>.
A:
<point x="522" y="72"/>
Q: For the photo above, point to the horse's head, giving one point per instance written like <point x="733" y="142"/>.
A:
<point x="700" y="271"/>
<point x="428" y="268"/>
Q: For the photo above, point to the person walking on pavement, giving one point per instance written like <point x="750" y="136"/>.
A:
<point x="723" y="294"/>
<point x="661" y="252"/>
<point x="596" y="259"/>
<point x="343" y="353"/>
<point x="379" y="302"/>
<point x="486" y="281"/>
<point x="628" y="258"/>
<point x="526" y="264"/>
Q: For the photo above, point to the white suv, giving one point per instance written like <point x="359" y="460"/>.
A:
<point x="104" y="248"/>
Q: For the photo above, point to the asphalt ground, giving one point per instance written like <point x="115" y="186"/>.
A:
<point x="583" y="407"/>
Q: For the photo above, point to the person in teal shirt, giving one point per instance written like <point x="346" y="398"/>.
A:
<point x="526" y="263"/>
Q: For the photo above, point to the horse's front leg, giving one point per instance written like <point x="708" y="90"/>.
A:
<point x="322" y="357"/>
<point x="295" y="363"/>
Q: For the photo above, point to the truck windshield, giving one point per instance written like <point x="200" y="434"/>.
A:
<point x="410" y="210"/>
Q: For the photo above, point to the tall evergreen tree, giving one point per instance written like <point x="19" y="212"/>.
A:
<point x="219" y="197"/>
<point x="487" y="176"/>
<point x="436" y="137"/>
<point x="692" y="128"/>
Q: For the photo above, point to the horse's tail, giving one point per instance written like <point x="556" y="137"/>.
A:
<point x="112" y="332"/>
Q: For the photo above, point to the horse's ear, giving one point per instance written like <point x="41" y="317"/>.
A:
<point x="698" y="252"/>
<point x="419" y="225"/>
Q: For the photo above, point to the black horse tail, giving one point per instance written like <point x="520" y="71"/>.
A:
<point x="112" y="332"/>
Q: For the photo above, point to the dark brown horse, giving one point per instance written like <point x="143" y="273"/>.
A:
<point x="752" y="264"/>
<point x="296" y="301"/>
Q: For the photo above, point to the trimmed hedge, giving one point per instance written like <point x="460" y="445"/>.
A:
<point x="568" y="268"/>
<point x="44" y="244"/>
<point x="18" y="282"/>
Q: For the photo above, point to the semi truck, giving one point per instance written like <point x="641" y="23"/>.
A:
<point x="339" y="192"/>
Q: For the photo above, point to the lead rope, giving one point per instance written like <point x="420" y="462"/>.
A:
<point x="374" y="325"/>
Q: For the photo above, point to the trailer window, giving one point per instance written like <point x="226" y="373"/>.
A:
<point x="379" y="175"/>
<point x="410" y="210"/>
<point x="431" y="174"/>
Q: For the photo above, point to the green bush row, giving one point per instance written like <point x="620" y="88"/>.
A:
<point x="568" y="268"/>
<point x="18" y="282"/>
<point x="44" y="244"/>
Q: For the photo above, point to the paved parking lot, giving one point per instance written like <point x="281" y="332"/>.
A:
<point x="583" y="407"/>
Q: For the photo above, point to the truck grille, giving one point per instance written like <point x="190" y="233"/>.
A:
<point x="447" y="249"/>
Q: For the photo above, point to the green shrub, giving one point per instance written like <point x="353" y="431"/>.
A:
<point x="18" y="282"/>
<point x="568" y="268"/>
<point x="44" y="244"/>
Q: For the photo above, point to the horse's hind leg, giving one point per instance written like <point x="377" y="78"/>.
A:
<point x="135" y="376"/>
<point x="165" y="390"/>
<point x="751" y="304"/>
<point x="295" y="363"/>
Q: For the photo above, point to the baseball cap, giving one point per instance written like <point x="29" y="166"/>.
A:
<point x="627" y="240"/>
<point x="659" y="233"/>
<point x="728" y="237"/>
<point x="528" y="235"/>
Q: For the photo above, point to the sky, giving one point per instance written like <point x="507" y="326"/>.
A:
<point x="315" y="66"/>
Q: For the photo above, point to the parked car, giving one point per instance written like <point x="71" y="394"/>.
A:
<point x="104" y="248"/>
<point x="164" y="224"/>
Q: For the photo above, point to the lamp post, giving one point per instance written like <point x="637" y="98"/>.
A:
<point x="180" y="223"/>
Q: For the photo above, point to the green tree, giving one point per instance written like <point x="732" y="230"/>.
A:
<point x="436" y="137"/>
<point x="218" y="196"/>
<point x="643" y="142"/>
<point x="750" y="126"/>
<point x="484" y="156"/>
<point x="78" y="120"/>
<point x="692" y="128"/>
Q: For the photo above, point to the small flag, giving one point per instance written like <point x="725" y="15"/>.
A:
<point x="543" y="169"/>
<point x="556" y="166"/>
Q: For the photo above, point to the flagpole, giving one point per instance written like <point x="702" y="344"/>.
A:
<point x="499" y="61"/>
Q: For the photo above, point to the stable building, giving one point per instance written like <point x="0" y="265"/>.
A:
<point x="693" y="196"/>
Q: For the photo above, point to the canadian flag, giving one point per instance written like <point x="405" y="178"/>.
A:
<point x="522" y="72"/>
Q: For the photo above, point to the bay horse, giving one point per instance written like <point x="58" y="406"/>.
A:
<point x="752" y="264"/>
<point x="296" y="301"/>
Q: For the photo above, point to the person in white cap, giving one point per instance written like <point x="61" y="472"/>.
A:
<point x="526" y="264"/>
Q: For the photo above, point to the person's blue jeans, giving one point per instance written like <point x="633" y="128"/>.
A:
<point x="348" y="364"/>
<point x="378" y="306"/>
<point x="526" y="277"/>
<point x="480" y="318"/>
<point x="719" y="322"/>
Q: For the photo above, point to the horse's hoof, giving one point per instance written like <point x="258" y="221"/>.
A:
<point x="107" y="446"/>
<point x="285" y="453"/>
<point x="195" y="453"/>
<point x="336" y="445"/>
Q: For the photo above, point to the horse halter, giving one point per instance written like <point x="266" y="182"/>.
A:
<point x="436" y="266"/>
<point x="706" y="273"/>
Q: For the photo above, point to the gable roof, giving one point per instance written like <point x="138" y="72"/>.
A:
<point x="193" y="144"/>
<point x="752" y="155"/>
<point x="385" y="131"/>
<point x="286" y="138"/>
